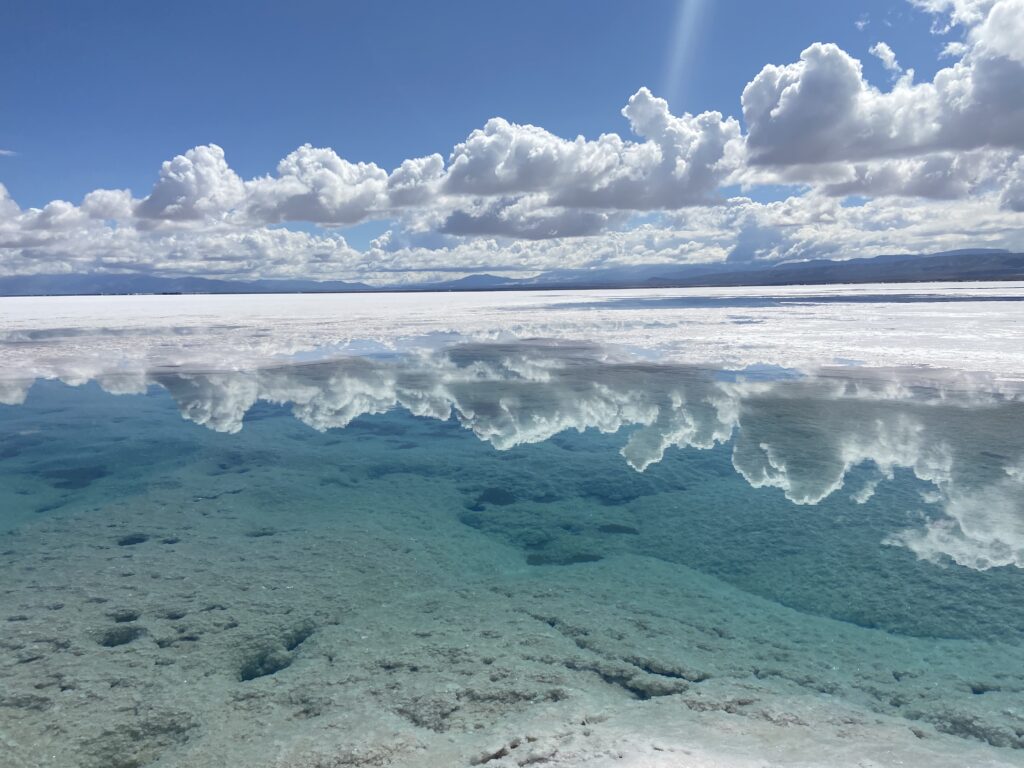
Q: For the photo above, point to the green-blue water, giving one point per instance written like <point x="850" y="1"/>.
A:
<point x="469" y="543"/>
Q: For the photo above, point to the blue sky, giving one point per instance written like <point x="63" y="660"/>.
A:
<point x="98" y="95"/>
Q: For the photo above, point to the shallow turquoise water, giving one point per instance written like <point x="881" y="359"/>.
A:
<point x="861" y="532"/>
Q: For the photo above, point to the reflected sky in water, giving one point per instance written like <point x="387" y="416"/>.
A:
<point x="804" y="434"/>
<point x="534" y="526"/>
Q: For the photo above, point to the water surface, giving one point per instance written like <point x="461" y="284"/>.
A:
<point x="655" y="529"/>
<point x="532" y="552"/>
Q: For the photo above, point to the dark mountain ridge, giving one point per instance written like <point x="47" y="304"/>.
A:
<point x="961" y="265"/>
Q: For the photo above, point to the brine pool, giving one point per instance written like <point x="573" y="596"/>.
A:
<point x="504" y="552"/>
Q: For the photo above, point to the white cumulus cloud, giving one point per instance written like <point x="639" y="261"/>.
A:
<point x="315" y="184"/>
<point x="885" y="54"/>
<point x="194" y="185"/>
<point x="518" y="199"/>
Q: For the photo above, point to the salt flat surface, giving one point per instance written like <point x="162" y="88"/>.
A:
<point x="963" y="326"/>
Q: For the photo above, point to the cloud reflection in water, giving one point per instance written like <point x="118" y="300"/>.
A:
<point x="801" y="434"/>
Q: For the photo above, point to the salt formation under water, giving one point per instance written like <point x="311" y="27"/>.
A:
<point x="505" y="552"/>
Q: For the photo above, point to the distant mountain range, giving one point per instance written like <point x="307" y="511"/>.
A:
<point x="968" y="264"/>
<point x="72" y="285"/>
